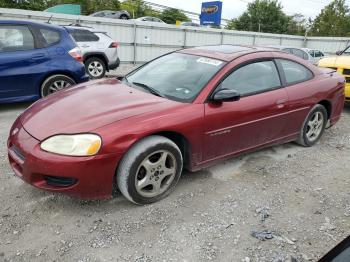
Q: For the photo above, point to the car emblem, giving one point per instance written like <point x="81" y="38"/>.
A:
<point x="15" y="131"/>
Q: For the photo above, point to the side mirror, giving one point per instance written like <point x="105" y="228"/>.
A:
<point x="338" y="52"/>
<point x="226" y="95"/>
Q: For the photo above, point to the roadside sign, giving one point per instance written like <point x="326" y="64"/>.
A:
<point x="211" y="13"/>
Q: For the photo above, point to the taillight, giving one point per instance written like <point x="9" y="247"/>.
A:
<point x="76" y="54"/>
<point x="114" y="45"/>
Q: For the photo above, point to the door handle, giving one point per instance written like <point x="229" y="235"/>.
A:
<point x="85" y="46"/>
<point x="280" y="103"/>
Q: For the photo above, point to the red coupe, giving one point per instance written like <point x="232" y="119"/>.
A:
<point x="187" y="109"/>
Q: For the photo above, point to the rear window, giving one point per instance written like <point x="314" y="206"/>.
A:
<point x="51" y="37"/>
<point x="81" y="35"/>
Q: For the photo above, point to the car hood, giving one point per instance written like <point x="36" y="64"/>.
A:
<point x="87" y="107"/>
<point x="335" y="61"/>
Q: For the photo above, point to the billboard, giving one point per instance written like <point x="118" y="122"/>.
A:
<point x="211" y="13"/>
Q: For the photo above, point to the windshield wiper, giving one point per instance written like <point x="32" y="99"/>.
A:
<point x="149" y="89"/>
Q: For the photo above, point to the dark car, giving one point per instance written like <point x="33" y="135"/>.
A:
<point x="122" y="14"/>
<point x="187" y="109"/>
<point x="37" y="60"/>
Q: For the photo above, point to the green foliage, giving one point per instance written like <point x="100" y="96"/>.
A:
<point x="263" y="16"/>
<point x="137" y="8"/>
<point x="231" y="25"/>
<point x="36" y="5"/>
<point x="171" y="15"/>
<point x="298" y="24"/>
<point x="333" y="20"/>
<point x="89" y="6"/>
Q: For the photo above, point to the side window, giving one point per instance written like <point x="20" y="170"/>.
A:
<point x="99" y="14"/>
<point x="50" y="36"/>
<point x="295" y="72"/>
<point x="81" y="35"/>
<point x="299" y="53"/>
<point x="15" y="38"/>
<point x="312" y="53"/>
<point x="318" y="54"/>
<point x="253" y="78"/>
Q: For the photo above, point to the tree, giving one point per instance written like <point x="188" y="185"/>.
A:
<point x="231" y="25"/>
<point x="89" y="6"/>
<point x="171" y="15"/>
<point x="137" y="8"/>
<point x="262" y="16"/>
<point x="298" y="24"/>
<point x="36" y="5"/>
<point x="333" y="20"/>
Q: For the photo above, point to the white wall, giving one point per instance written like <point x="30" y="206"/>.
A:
<point x="140" y="42"/>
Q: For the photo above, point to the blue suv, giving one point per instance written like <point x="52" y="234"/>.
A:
<point x="36" y="60"/>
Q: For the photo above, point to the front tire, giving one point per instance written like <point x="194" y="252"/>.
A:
<point x="55" y="83"/>
<point x="313" y="126"/>
<point x="95" y="68"/>
<point x="150" y="170"/>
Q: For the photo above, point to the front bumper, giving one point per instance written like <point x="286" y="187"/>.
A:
<point x="82" y="177"/>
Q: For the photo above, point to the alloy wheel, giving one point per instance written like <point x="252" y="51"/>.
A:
<point x="155" y="173"/>
<point x="315" y="126"/>
<point x="95" y="69"/>
<point x="57" y="86"/>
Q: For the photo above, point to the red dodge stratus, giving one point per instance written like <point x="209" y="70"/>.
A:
<point x="187" y="109"/>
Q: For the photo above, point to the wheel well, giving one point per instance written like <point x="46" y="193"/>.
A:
<point x="328" y="107"/>
<point x="98" y="56"/>
<point x="181" y="142"/>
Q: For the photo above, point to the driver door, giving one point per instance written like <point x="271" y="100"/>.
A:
<point x="258" y="118"/>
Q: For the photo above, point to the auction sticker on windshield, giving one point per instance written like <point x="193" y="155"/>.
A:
<point x="209" y="61"/>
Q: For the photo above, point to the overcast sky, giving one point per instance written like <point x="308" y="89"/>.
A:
<point x="233" y="8"/>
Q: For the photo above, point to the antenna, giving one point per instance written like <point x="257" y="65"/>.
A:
<point x="48" y="21"/>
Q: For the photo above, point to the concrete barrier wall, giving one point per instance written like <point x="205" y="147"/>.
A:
<point x="141" y="42"/>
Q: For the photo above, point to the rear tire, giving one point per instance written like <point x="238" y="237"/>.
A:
<point x="150" y="170"/>
<point x="95" y="68"/>
<point x="55" y="83"/>
<point x="124" y="17"/>
<point x="313" y="126"/>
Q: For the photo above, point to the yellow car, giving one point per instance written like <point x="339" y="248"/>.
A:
<point x="341" y="63"/>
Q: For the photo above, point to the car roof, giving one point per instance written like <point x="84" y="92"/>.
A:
<point x="225" y="52"/>
<point x="23" y="22"/>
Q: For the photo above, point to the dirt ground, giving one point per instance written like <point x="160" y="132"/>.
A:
<point x="301" y="195"/>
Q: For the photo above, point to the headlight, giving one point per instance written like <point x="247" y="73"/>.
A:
<point x="73" y="145"/>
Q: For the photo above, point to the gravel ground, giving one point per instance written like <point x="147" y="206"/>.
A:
<point x="299" y="196"/>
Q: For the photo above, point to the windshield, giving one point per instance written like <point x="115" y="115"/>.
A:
<point x="175" y="76"/>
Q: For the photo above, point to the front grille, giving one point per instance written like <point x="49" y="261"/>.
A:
<point x="57" y="181"/>
<point x="18" y="153"/>
<point x="346" y="72"/>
